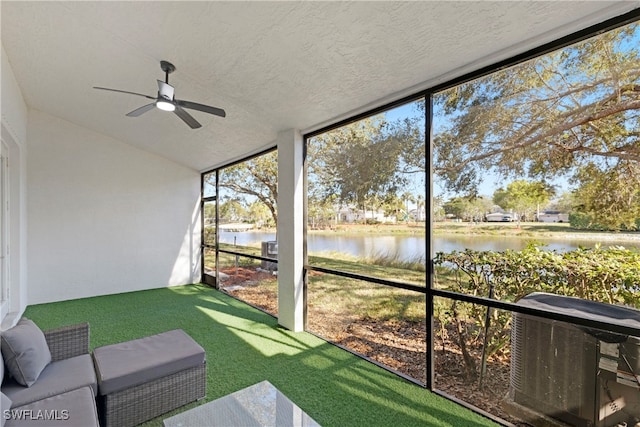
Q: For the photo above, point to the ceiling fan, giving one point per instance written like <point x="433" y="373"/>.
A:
<point x="166" y="100"/>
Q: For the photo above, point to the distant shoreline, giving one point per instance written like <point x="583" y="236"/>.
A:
<point x="532" y="230"/>
<point x="622" y="237"/>
<point x="526" y="230"/>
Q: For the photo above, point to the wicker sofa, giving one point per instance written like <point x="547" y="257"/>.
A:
<point x="122" y="385"/>
<point x="63" y="392"/>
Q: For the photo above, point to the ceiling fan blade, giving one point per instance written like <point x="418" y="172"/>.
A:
<point x="187" y="118"/>
<point x="165" y="90"/>
<point x="124" y="91"/>
<point x="204" y="108"/>
<point x="139" y="111"/>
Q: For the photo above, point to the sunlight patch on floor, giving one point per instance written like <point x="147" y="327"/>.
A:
<point x="266" y="339"/>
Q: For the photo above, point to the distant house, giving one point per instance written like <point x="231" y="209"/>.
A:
<point x="350" y="215"/>
<point x="552" y="216"/>
<point x="418" y="214"/>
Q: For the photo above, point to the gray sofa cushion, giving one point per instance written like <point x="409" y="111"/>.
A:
<point x="73" y="408"/>
<point x="124" y="365"/>
<point x="5" y="403"/>
<point x="25" y="351"/>
<point x="58" y="377"/>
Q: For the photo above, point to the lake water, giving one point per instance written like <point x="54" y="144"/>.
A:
<point x="408" y="247"/>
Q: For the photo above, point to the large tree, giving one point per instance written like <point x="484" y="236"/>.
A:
<point x="607" y="199"/>
<point x="523" y="197"/>
<point x="256" y="178"/>
<point x="548" y="117"/>
<point x="232" y="210"/>
<point x="467" y="208"/>
<point x="357" y="164"/>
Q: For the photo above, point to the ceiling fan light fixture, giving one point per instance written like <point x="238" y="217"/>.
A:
<point x="165" y="105"/>
<point x="166" y="101"/>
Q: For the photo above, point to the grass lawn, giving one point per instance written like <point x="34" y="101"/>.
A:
<point x="245" y="346"/>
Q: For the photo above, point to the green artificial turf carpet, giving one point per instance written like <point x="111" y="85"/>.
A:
<point x="245" y="346"/>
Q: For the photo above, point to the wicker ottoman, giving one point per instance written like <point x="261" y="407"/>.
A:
<point x="141" y="379"/>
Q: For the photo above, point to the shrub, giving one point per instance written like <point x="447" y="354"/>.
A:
<point x="580" y="220"/>
<point x="609" y="275"/>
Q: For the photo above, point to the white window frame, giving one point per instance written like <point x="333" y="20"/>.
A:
<point x="4" y="231"/>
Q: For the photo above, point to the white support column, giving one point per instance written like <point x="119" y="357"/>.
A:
<point x="290" y="230"/>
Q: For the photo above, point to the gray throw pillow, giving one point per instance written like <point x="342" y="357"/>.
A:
<point x="25" y="352"/>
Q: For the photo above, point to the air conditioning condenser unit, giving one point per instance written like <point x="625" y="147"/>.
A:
<point x="577" y="375"/>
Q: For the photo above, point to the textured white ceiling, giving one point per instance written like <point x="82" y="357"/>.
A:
<point x="271" y="65"/>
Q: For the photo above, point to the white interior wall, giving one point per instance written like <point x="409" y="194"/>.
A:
<point x="105" y="217"/>
<point x="14" y="134"/>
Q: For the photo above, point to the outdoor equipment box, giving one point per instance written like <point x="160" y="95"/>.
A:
<point x="581" y="376"/>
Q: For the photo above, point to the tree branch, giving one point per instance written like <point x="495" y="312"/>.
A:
<point x="528" y="136"/>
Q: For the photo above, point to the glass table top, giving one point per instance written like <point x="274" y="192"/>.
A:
<point x="259" y="405"/>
